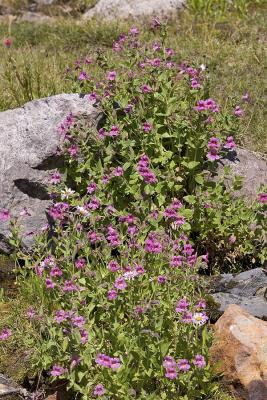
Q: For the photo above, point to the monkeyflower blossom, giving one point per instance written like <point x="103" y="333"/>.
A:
<point x="147" y="126"/>
<point x="113" y="266"/>
<point x="171" y="373"/>
<point x="84" y="336"/>
<point x="4" y="215"/>
<point x="111" y="75"/>
<point x="169" y="362"/>
<point x="83" y="76"/>
<point x="183" y="365"/>
<point x="5" y="334"/>
<point x="114" y="132"/>
<point x="146" y="89"/>
<point x="120" y="283"/>
<point x="112" y="294"/>
<point x="49" y="283"/>
<point x="134" y="31"/>
<point x="238" y="112"/>
<point x="91" y="188"/>
<point x="230" y="144"/>
<point x="182" y="306"/>
<point x="246" y="97"/>
<point x="162" y="279"/>
<point x="57" y="370"/>
<point x="262" y="198"/>
<point x="80" y="263"/>
<point x="55" y="178"/>
<point x="99" y="390"/>
<point x="61" y="316"/>
<point x="199" y="361"/>
<point x="31" y="313"/>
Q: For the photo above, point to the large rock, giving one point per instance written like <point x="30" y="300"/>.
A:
<point x="112" y="9"/>
<point x="240" y="349"/>
<point x="28" y="141"/>
<point x="251" y="166"/>
<point x="247" y="289"/>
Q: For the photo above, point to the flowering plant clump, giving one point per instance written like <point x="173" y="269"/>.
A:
<point x="122" y="310"/>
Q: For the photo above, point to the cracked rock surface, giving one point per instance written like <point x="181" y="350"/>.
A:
<point x="28" y="141"/>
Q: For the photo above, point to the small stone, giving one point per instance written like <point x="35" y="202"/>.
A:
<point x="240" y="352"/>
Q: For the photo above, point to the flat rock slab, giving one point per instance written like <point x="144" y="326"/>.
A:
<point x="10" y="391"/>
<point x="114" y="9"/>
<point x="28" y="142"/>
<point x="247" y="289"/>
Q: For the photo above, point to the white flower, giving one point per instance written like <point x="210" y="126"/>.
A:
<point x="82" y="210"/>
<point x="200" y="318"/>
<point x="65" y="194"/>
<point x="130" y="275"/>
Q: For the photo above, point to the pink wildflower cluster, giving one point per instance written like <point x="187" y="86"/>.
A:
<point x="207" y="105"/>
<point x="108" y="362"/>
<point x="213" y="146"/>
<point x="197" y="318"/>
<point x="183" y="365"/>
<point x="152" y="244"/>
<point x="262" y="198"/>
<point x="113" y="237"/>
<point x="144" y="171"/>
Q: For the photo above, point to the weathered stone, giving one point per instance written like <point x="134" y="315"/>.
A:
<point x="10" y="391"/>
<point x="251" y="166"/>
<point x="110" y="9"/>
<point x="28" y="141"/>
<point x="35" y="17"/>
<point x="247" y="289"/>
<point x="240" y="352"/>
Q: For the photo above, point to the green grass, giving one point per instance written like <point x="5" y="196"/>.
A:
<point x="231" y="44"/>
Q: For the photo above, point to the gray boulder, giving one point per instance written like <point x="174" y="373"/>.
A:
<point x="247" y="290"/>
<point x="112" y="9"/>
<point x="251" y="166"/>
<point x="28" y="142"/>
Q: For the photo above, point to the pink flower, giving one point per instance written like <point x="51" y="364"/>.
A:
<point x="49" y="283"/>
<point x="69" y="286"/>
<point x="55" y="178"/>
<point x="78" y="321"/>
<point x="91" y="188"/>
<point x="199" y="361"/>
<point x="230" y="144"/>
<point x="176" y="261"/>
<point x="246" y="97"/>
<point x="169" y="52"/>
<point x="115" y="131"/>
<point x="80" y="263"/>
<point x="83" y="76"/>
<point x="195" y="84"/>
<point x="162" y="279"/>
<point x="183" y="365"/>
<point x="112" y="294"/>
<point x="57" y="370"/>
<point x="31" y="313"/>
<point x="4" y="215"/>
<point x="171" y="373"/>
<point x="120" y="283"/>
<point x="187" y="317"/>
<point x="56" y="271"/>
<point x="111" y="76"/>
<point x="113" y="266"/>
<point x="262" y="197"/>
<point x="5" y="334"/>
<point x="212" y="155"/>
<point x="134" y="31"/>
<point x="7" y="42"/>
<point x="140" y="269"/>
<point x="155" y="62"/>
<point x="182" y="306"/>
<point x="84" y="336"/>
<point x="238" y="112"/>
<point x="146" y="89"/>
<point x="61" y="316"/>
<point x="99" y="390"/>
<point x="118" y="171"/>
<point x="156" y="46"/>
<point x="147" y="126"/>
<point x="169" y="362"/>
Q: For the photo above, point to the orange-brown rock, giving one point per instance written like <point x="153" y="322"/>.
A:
<point x="240" y="352"/>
